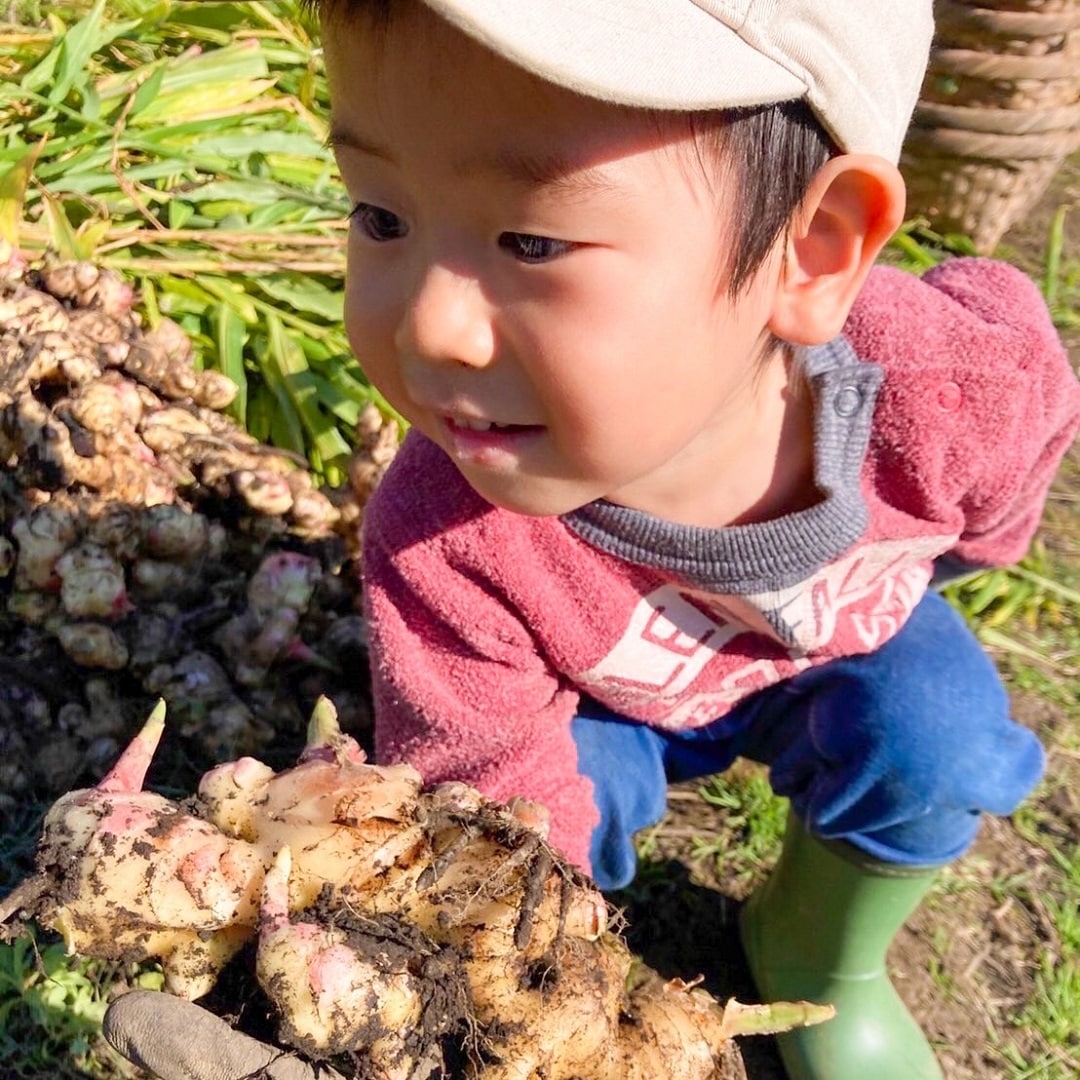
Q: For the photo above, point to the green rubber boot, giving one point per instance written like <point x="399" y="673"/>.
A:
<point x="818" y="931"/>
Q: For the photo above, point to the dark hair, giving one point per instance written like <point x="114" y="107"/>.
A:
<point x="768" y="154"/>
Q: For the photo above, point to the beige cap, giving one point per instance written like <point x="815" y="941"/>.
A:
<point x="858" y="63"/>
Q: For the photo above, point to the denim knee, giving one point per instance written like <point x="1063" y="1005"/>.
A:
<point x="900" y="751"/>
<point x="625" y="763"/>
<point x="630" y="766"/>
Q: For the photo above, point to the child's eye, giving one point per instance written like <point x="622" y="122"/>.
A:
<point x="377" y="224"/>
<point x="533" y="249"/>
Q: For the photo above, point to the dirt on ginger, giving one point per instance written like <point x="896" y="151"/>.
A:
<point x="397" y="932"/>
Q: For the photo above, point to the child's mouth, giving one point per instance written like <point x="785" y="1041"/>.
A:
<point x="463" y="426"/>
<point x="485" y="441"/>
<point x="483" y="425"/>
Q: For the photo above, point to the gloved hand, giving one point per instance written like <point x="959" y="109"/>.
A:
<point x="177" y="1040"/>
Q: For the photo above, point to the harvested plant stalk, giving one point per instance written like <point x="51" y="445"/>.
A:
<point x="404" y="933"/>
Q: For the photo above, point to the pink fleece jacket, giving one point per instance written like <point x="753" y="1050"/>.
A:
<point x="941" y="416"/>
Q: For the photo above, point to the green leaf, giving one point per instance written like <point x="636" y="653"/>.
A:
<point x="344" y="406"/>
<point x="230" y="335"/>
<point x="221" y="17"/>
<point x="308" y="296"/>
<point x="90" y="234"/>
<point x="91" y="102"/>
<point x="197" y="85"/>
<point x="919" y="256"/>
<point x="201" y="102"/>
<point x="285" y="430"/>
<point x="233" y="294"/>
<point x="1018" y="594"/>
<point x="13" y="186"/>
<point x="286" y="425"/>
<point x="246" y="193"/>
<point x="149" y="294"/>
<point x="199" y="297"/>
<point x="262" y="406"/>
<point x="1054" y="247"/>
<point x="180" y="213"/>
<point x="328" y="442"/>
<point x="151" y="15"/>
<point x="41" y="75"/>
<point x="78" y="45"/>
<point x="62" y="235"/>
<point x="240" y="144"/>
<point x="1071" y="596"/>
<point x="989" y="588"/>
<point x="148" y="91"/>
<point x="302" y="387"/>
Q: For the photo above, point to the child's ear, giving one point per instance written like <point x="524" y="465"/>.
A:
<point x="853" y="205"/>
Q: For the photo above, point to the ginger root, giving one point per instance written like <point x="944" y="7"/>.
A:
<point x="403" y="933"/>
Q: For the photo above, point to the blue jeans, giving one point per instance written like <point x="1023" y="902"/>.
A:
<point x="897" y="752"/>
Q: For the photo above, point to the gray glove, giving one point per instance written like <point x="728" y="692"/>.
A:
<point x="177" y="1040"/>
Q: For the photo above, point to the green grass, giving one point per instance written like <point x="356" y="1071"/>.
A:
<point x="1054" y="1009"/>
<point x="746" y="826"/>
<point x="1061" y="276"/>
<point x="753" y="819"/>
<point x="51" y="1007"/>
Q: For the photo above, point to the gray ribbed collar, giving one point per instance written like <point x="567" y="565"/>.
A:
<point x="772" y="554"/>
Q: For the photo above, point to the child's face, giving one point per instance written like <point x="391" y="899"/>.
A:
<point x="533" y="278"/>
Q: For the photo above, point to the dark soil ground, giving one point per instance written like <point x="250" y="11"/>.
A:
<point x="966" y="962"/>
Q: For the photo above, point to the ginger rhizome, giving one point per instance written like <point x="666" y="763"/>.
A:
<point x="404" y="933"/>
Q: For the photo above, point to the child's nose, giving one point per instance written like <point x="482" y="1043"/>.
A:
<point x="447" y="319"/>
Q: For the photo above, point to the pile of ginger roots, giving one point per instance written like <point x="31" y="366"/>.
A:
<point x="150" y="547"/>
<point x="398" y="933"/>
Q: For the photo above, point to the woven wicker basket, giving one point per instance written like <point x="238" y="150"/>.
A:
<point x="998" y="114"/>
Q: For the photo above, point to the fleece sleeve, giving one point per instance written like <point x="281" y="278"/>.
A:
<point x="979" y="404"/>
<point x="461" y="690"/>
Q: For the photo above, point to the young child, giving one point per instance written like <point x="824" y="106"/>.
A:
<point x="683" y="464"/>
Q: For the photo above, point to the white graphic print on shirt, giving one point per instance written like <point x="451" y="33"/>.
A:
<point x="855" y="603"/>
